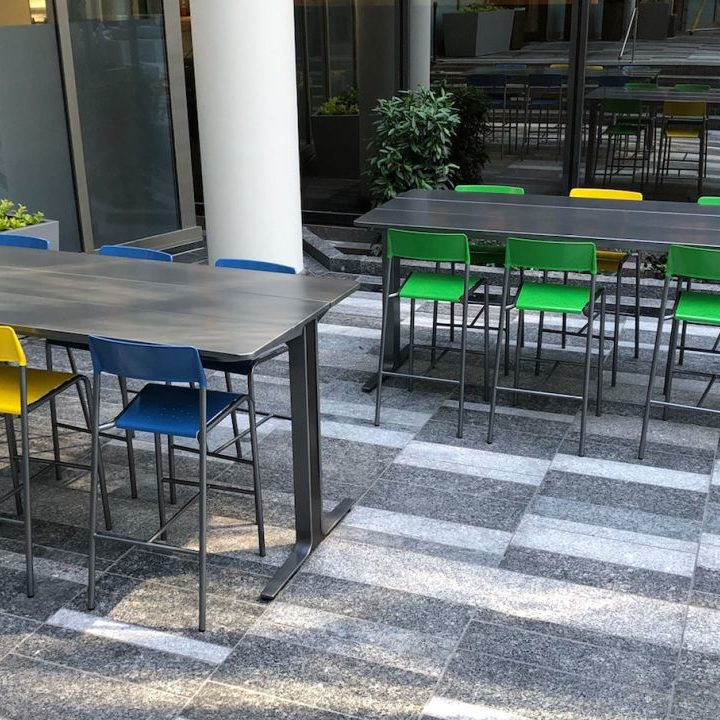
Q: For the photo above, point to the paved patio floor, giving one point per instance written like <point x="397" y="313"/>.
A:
<point x="507" y="582"/>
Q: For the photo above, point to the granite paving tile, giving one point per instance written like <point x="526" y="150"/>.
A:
<point x="539" y="693"/>
<point x="326" y="680"/>
<point x="13" y="630"/>
<point x="217" y="701"/>
<point x="392" y="607"/>
<point x="32" y="689"/>
<point x="610" y="576"/>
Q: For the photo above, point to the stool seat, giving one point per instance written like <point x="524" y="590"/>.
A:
<point x="553" y="298"/>
<point x="432" y="286"/>
<point x="40" y="383"/>
<point x="172" y="410"/>
<point x="699" y="307"/>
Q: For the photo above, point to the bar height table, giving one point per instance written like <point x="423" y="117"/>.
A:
<point x="647" y="225"/>
<point x="230" y="314"/>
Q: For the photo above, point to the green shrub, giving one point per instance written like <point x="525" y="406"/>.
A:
<point x="412" y="145"/>
<point x="345" y="104"/>
<point x="479" y="8"/>
<point x="468" y="151"/>
<point x="14" y="217"/>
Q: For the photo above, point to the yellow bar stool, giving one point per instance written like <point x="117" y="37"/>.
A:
<point x="22" y="391"/>
<point x="611" y="262"/>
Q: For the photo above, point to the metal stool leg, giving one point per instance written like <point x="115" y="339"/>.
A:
<point x="53" y="418"/>
<point x="563" y="336"/>
<point x="202" y="515"/>
<point x="518" y="352"/>
<point x="433" y="351"/>
<point x="601" y="358"/>
<point x="498" y="347"/>
<point x="25" y="474"/>
<point x="637" y="305"/>
<point x="122" y="382"/>
<point x="12" y="449"/>
<point x="411" y="352"/>
<point x="486" y="342"/>
<point x="259" y="514"/>
<point x="616" y="329"/>
<point x="234" y="418"/>
<point x="683" y="337"/>
<point x="160" y="484"/>
<point x="383" y="333"/>
<point x="653" y="369"/>
<point x="586" y="380"/>
<point x="670" y="365"/>
<point x="463" y="356"/>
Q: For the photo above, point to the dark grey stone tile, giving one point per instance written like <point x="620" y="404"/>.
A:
<point x="149" y="668"/>
<point x="13" y="630"/>
<point x="444" y="504"/>
<point x="223" y="702"/>
<point x="712" y="518"/>
<point x="508" y="423"/>
<point x="31" y="689"/>
<point x="226" y="576"/>
<point x="578" y="658"/>
<point x="50" y="594"/>
<point x="706" y="600"/>
<point x="170" y="609"/>
<point x="390" y="607"/>
<point x="328" y="681"/>
<point x="626" y="450"/>
<point x="707" y="581"/>
<point x="488" y="489"/>
<point x="543" y="694"/>
<point x="632" y="520"/>
<point x="610" y="576"/>
<point x="628" y="495"/>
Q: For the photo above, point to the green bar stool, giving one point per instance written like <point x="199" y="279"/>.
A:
<point x="691" y="87"/>
<point x="435" y="287"/>
<point x="691" y="306"/>
<point x="708" y="200"/>
<point x="545" y="297"/>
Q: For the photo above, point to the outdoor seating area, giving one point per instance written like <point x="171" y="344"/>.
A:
<point x="516" y="542"/>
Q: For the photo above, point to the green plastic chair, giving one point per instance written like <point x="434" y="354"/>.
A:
<point x="640" y="86"/>
<point x="691" y="87"/>
<point x="694" y="307"/>
<point x="545" y="297"/>
<point x="433" y="286"/>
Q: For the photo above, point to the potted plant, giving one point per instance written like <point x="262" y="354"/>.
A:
<point x="653" y="21"/>
<point x="336" y="137"/>
<point x="16" y="219"/>
<point x="478" y="29"/>
<point x="414" y="133"/>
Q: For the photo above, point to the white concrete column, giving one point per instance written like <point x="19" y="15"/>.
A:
<point x="420" y="43"/>
<point x="244" y="52"/>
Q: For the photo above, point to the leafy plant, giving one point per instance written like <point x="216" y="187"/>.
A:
<point x="479" y="8"/>
<point x="414" y="135"/>
<point x="656" y="265"/>
<point x="344" y="104"/>
<point x="13" y="217"/>
<point x="468" y="151"/>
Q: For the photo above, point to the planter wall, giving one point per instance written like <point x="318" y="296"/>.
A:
<point x="337" y="146"/>
<point x="47" y="230"/>
<point x="653" y="21"/>
<point x="477" y="34"/>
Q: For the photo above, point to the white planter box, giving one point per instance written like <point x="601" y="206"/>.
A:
<point x="47" y="230"/>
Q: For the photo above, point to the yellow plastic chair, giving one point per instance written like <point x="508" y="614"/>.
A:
<point x="682" y="120"/>
<point x="23" y="390"/>
<point x="611" y="262"/>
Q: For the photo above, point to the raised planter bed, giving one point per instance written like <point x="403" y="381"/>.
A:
<point x="47" y="230"/>
<point x="475" y="34"/>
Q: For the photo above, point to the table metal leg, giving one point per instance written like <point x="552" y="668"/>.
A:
<point x="312" y="523"/>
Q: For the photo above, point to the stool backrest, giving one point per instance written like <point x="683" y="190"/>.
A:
<point x="430" y="246"/>
<point x="695" y="263"/>
<point x="24" y="241"/>
<point x="552" y="255"/>
<point x="134" y="253"/>
<point x="708" y="200"/>
<point x="10" y="348"/>
<point x="500" y="189"/>
<point x="605" y="194"/>
<point x="147" y="361"/>
<point x="261" y="265"/>
<point x="621" y="106"/>
<point x="682" y="109"/>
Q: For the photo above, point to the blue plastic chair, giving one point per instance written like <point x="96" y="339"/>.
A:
<point x="165" y="409"/>
<point x="242" y="264"/>
<point x="134" y="253"/>
<point x="24" y="241"/>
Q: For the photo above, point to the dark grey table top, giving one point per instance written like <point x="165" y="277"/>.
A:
<point x="222" y="312"/>
<point x="658" y="95"/>
<point x="647" y="225"/>
<point x="521" y="70"/>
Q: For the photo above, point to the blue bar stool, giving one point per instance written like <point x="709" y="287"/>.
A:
<point x="165" y="409"/>
<point x="244" y="369"/>
<point x="131" y="253"/>
<point x="24" y="241"/>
